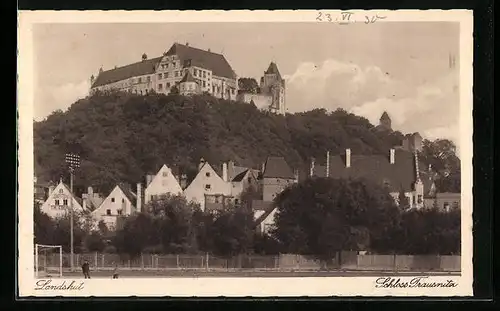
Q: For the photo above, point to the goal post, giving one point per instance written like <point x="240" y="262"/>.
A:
<point x="48" y="258"/>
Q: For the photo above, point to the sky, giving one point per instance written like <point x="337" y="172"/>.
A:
<point x="399" y="67"/>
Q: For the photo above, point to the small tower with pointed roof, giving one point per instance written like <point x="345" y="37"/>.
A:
<point x="385" y="120"/>
<point x="188" y="85"/>
<point x="273" y="84"/>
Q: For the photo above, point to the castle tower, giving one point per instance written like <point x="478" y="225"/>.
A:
<point x="385" y="120"/>
<point x="274" y="85"/>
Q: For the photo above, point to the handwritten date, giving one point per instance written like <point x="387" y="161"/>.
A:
<point x="345" y="18"/>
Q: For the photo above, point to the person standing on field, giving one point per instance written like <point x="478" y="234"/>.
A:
<point x="115" y="271"/>
<point x="86" y="269"/>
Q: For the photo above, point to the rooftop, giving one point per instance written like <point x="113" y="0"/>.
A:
<point x="277" y="167"/>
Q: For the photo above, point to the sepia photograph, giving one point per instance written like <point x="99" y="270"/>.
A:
<point x="242" y="153"/>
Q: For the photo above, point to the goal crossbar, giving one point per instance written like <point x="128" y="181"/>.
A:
<point x="43" y="246"/>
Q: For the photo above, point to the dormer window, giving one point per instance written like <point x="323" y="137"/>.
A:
<point x="207" y="174"/>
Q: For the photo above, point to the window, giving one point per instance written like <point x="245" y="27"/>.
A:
<point x="112" y="199"/>
<point x="236" y="201"/>
<point x="176" y="73"/>
<point x="140" y="92"/>
<point x="204" y="74"/>
<point x="123" y="200"/>
<point x="108" y="212"/>
<point x="166" y="75"/>
<point x="61" y="191"/>
<point x="166" y="65"/>
<point x="168" y="84"/>
<point x="140" y="80"/>
<point x="217" y="199"/>
<point x="120" y="212"/>
<point x="204" y="84"/>
<point x="207" y="187"/>
<point x="65" y="202"/>
<point x="149" y="79"/>
<point x="159" y="76"/>
<point x="165" y="174"/>
<point x="419" y="199"/>
<point x="160" y="86"/>
<point x="195" y="72"/>
<point x="56" y="202"/>
<point x="249" y="179"/>
<point x="207" y="174"/>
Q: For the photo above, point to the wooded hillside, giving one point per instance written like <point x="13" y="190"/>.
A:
<point x="121" y="137"/>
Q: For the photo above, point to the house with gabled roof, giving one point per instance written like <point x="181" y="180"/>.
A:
<point x="120" y="202"/>
<point x="164" y="182"/>
<point x="400" y="170"/>
<point x="208" y="186"/>
<point x="276" y="176"/>
<point x="59" y="202"/>
<point x="210" y="71"/>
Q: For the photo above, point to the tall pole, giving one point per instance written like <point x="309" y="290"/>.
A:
<point x="71" y="216"/>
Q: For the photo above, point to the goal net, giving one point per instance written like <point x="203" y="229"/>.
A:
<point x="48" y="260"/>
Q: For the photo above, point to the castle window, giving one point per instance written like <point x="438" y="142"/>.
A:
<point x="204" y="84"/>
<point x="160" y="86"/>
<point x="165" y="75"/>
<point x="204" y="74"/>
<point x="108" y="212"/>
<point x="159" y="76"/>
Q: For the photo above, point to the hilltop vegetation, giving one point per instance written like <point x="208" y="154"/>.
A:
<point x="122" y="136"/>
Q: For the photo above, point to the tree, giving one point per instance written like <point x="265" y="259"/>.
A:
<point x="43" y="226"/>
<point x="403" y="201"/>
<point x="138" y="232"/>
<point x="94" y="242"/>
<point x="248" y="85"/>
<point x="232" y="232"/>
<point x="174" y="90"/>
<point x="322" y="216"/>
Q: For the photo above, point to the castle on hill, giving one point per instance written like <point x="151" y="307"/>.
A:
<point x="191" y="71"/>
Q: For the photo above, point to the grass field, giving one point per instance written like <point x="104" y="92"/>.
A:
<point x="237" y="274"/>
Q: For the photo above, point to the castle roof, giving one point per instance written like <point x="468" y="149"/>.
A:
<point x="276" y="167"/>
<point x="273" y="69"/>
<point x="217" y="63"/>
<point x="377" y="168"/>
<point x="141" y="68"/>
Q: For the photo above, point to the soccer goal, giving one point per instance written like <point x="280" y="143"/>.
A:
<point x="48" y="260"/>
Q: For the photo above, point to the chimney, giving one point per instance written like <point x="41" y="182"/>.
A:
<point x="84" y="203"/>
<point x="327" y="163"/>
<point x="183" y="181"/>
<point x="90" y="191"/>
<point x="187" y="43"/>
<point x="224" y="172"/>
<point x="230" y="169"/>
<point x="393" y="156"/>
<point x="139" y="198"/>
<point x="263" y="167"/>
<point x="311" y="173"/>
<point x="149" y="179"/>
<point x="51" y="189"/>
<point x="296" y="174"/>
<point x="348" y="158"/>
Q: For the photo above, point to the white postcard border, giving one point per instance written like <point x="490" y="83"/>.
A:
<point x="261" y="287"/>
